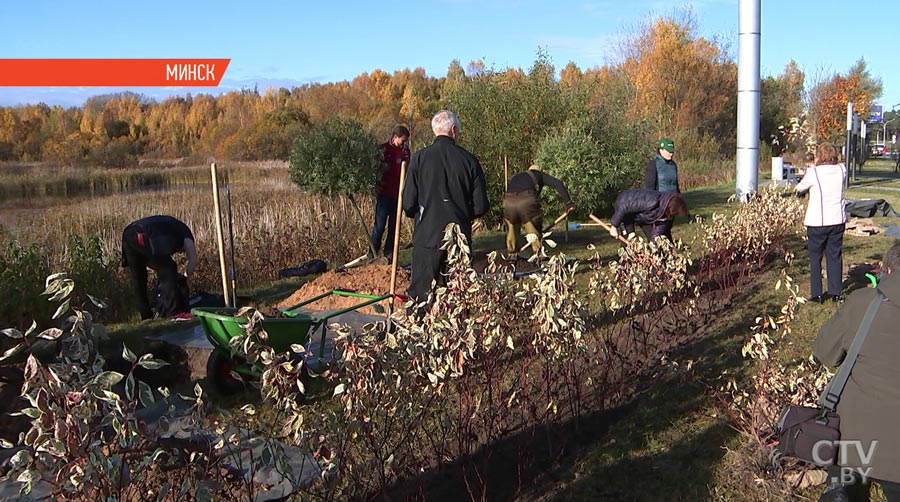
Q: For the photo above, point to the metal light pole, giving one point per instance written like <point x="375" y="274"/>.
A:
<point x="847" y="153"/>
<point x="748" y="99"/>
<point x="893" y="136"/>
<point x="863" y="152"/>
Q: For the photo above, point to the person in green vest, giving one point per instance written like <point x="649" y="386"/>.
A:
<point x="661" y="174"/>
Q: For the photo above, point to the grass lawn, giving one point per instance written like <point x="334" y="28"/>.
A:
<point x="668" y="444"/>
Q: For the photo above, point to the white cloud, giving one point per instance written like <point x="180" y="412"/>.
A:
<point x="591" y="48"/>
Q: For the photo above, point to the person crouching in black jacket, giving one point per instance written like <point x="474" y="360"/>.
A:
<point x="650" y="209"/>
<point x="150" y="243"/>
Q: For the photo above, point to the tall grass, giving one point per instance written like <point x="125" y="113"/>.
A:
<point x="275" y="226"/>
<point x="700" y="173"/>
<point x="36" y="180"/>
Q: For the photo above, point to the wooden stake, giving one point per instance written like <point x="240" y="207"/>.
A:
<point x="218" y="217"/>
<point x="232" y="272"/>
<point x="505" y="173"/>
<point x="607" y="227"/>
<point x="362" y="223"/>
<point x="397" y="237"/>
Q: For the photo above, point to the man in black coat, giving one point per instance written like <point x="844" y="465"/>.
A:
<point x="650" y="209"/>
<point x="150" y="243"/>
<point x="445" y="185"/>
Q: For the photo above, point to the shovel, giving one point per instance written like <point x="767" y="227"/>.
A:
<point x="356" y="262"/>
<point x="607" y="227"/>
<point x="396" y="241"/>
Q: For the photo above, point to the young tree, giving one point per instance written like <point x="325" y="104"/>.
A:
<point x="595" y="156"/>
<point x="781" y="100"/>
<point x="337" y="157"/>
<point x="506" y="113"/>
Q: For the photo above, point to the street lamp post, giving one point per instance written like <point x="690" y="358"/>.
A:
<point x="893" y="136"/>
<point x="848" y="145"/>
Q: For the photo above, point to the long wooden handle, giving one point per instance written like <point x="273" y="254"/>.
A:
<point x="505" y="172"/>
<point x="397" y="234"/>
<point x="219" y="239"/>
<point x="607" y="227"/>
<point x="556" y="221"/>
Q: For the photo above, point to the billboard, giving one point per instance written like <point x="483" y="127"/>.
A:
<point x="876" y="113"/>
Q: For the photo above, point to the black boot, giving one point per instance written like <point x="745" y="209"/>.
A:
<point x="835" y="492"/>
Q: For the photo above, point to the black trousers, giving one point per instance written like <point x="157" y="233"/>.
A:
<point x="385" y="217"/>
<point x="827" y="241"/>
<point x="138" y="258"/>
<point x="428" y="265"/>
<point x="859" y="491"/>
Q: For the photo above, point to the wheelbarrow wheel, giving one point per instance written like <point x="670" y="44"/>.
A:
<point x="218" y="369"/>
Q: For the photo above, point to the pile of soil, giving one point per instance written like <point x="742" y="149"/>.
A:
<point x="368" y="279"/>
<point x="272" y="313"/>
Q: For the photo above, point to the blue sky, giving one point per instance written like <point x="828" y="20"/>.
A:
<point x="289" y="43"/>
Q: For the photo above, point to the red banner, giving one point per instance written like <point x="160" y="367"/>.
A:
<point x="112" y="72"/>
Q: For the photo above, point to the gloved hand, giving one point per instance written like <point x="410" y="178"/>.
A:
<point x="570" y="207"/>
<point x="614" y="232"/>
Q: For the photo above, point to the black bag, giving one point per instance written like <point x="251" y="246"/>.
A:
<point x="204" y="299"/>
<point x="810" y="433"/>
<point x="315" y="266"/>
<point x="182" y="290"/>
<point x="802" y="430"/>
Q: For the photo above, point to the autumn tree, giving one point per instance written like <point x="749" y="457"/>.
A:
<point x="829" y="98"/>
<point x="679" y="80"/>
<point x="781" y="99"/>
<point x="9" y="133"/>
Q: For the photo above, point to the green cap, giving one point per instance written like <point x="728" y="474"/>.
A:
<point x="666" y="144"/>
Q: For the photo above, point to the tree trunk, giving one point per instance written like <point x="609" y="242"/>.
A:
<point x="362" y="222"/>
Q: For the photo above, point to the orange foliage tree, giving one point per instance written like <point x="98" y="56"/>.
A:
<point x="829" y="98"/>
<point x="682" y="84"/>
<point x="666" y="76"/>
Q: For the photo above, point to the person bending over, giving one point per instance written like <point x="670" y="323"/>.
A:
<point x="150" y="243"/>
<point x="522" y="206"/>
<point x="652" y="210"/>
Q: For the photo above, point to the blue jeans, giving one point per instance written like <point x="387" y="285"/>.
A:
<point x="385" y="214"/>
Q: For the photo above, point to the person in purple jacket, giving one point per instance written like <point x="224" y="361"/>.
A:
<point x="652" y="210"/>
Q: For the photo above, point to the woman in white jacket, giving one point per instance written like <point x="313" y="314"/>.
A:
<point x="824" y="221"/>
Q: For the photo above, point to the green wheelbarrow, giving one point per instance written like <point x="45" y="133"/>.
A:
<point x="220" y="326"/>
